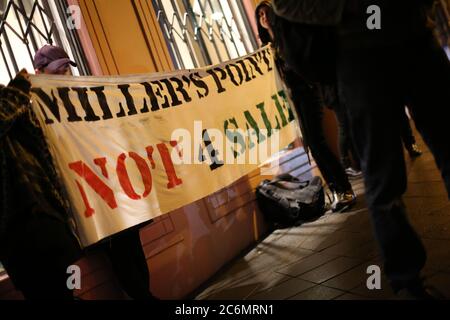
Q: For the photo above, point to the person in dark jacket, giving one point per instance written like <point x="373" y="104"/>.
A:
<point x="309" y="103"/>
<point x="379" y="71"/>
<point x="37" y="238"/>
<point x="123" y="249"/>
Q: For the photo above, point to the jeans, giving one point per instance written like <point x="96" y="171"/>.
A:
<point x="346" y="147"/>
<point x="309" y="106"/>
<point x="376" y="82"/>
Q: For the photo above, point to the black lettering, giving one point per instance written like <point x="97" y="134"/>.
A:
<point x="234" y="136"/>
<point x="173" y="95"/>
<point x="199" y="84"/>
<point x="129" y="100"/>
<point x="70" y="108"/>
<point x="254" y="62"/>
<point x="213" y="153"/>
<point x="244" y="68"/>
<point x="51" y="103"/>
<point x="231" y="74"/>
<point x="265" y="53"/>
<point x="180" y="89"/>
<point x="158" y="92"/>
<point x="151" y="95"/>
<point x="99" y="91"/>
<point x="223" y="76"/>
<point x="83" y="97"/>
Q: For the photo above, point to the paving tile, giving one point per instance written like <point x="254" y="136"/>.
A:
<point x="328" y="258"/>
<point x="330" y="269"/>
<point x="322" y="240"/>
<point x="350" y="279"/>
<point x="350" y="296"/>
<point x="385" y="293"/>
<point x="351" y="245"/>
<point x="438" y="253"/>
<point x="318" y="293"/>
<point x="306" y="264"/>
<point x="283" y="291"/>
<point x="263" y="281"/>
<point x="441" y="282"/>
<point x="426" y="189"/>
<point x="285" y="250"/>
<point x="233" y="293"/>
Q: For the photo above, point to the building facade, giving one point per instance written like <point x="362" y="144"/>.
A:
<point x="116" y="37"/>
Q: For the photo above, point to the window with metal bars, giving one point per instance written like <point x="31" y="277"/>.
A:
<point x="204" y="32"/>
<point x="27" y="25"/>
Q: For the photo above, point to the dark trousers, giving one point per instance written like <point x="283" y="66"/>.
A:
<point x="376" y="82"/>
<point x="129" y="263"/>
<point x="407" y="133"/>
<point x="346" y="147"/>
<point x="309" y="106"/>
<point x="36" y="258"/>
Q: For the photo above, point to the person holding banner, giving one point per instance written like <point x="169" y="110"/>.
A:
<point x="37" y="238"/>
<point x="309" y="103"/>
<point x="123" y="249"/>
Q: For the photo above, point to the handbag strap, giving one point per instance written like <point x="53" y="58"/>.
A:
<point x="288" y="178"/>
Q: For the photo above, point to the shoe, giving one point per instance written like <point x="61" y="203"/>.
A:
<point x="352" y="173"/>
<point x="414" y="150"/>
<point x="343" y="200"/>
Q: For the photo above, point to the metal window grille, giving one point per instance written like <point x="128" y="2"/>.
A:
<point x="204" y="32"/>
<point x="26" y="25"/>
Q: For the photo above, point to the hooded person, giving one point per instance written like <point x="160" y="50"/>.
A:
<point x="37" y="236"/>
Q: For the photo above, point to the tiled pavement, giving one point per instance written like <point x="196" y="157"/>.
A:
<point x="328" y="258"/>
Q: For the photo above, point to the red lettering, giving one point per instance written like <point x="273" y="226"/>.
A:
<point x="124" y="178"/>
<point x="101" y="162"/>
<point x="168" y="166"/>
<point x="105" y="192"/>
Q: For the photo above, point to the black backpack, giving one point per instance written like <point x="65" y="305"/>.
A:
<point x="286" y="201"/>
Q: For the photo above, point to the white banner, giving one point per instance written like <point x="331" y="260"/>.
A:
<point x="132" y="148"/>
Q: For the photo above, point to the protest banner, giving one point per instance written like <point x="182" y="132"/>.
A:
<point x="131" y="148"/>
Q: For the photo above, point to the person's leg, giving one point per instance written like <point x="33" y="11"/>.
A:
<point x="312" y="112"/>
<point x="409" y="141"/>
<point x="129" y="263"/>
<point x="369" y="82"/>
<point x="429" y="99"/>
<point x="407" y="133"/>
<point x="39" y="252"/>
<point x="346" y="146"/>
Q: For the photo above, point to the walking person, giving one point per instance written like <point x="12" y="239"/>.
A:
<point x="379" y="71"/>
